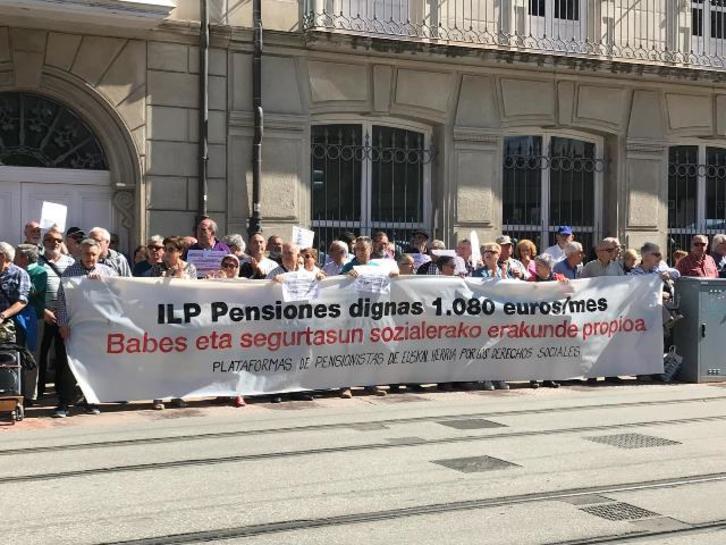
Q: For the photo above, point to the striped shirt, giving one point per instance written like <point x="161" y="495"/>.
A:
<point x="77" y="270"/>
<point x="51" y="291"/>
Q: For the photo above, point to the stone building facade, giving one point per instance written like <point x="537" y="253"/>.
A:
<point x="372" y="120"/>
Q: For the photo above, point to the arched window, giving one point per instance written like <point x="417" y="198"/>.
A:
<point x="550" y="181"/>
<point x="36" y="131"/>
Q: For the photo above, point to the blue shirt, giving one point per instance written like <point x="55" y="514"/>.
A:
<point x="563" y="268"/>
<point x="14" y="286"/>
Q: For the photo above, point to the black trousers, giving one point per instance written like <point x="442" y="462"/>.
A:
<point x="65" y="382"/>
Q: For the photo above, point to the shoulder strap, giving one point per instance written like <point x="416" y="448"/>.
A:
<point x="52" y="265"/>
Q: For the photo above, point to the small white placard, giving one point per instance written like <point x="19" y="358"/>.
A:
<point x="475" y="249"/>
<point x="385" y="264"/>
<point x="300" y="286"/>
<point x="52" y="214"/>
<point x="372" y="279"/>
<point x="419" y="259"/>
<point x="205" y="261"/>
<point x="304" y="238"/>
<point x="441" y="253"/>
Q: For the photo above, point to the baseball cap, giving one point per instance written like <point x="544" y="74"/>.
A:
<point x="503" y="239"/>
<point x="564" y="230"/>
<point x="76" y="233"/>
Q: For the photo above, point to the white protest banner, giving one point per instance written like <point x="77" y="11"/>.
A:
<point x="304" y="238"/>
<point x="52" y="213"/>
<point x="300" y="286"/>
<point x="146" y="338"/>
<point x="205" y="261"/>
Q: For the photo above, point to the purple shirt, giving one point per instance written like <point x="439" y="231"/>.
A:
<point x="218" y="246"/>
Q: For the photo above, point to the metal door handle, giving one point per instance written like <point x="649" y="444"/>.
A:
<point x="703" y="330"/>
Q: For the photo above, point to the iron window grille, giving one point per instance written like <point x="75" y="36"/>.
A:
<point x="368" y="177"/>
<point x="36" y="131"/>
<point x="696" y="193"/>
<point x="550" y="181"/>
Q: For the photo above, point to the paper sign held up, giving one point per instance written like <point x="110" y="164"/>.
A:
<point x="304" y="238"/>
<point x="52" y="214"/>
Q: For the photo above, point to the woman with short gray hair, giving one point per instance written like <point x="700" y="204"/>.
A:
<point x="718" y="252"/>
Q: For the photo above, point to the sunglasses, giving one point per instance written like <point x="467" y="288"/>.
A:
<point x="155" y="248"/>
<point x="53" y="240"/>
<point x="490" y="252"/>
<point x="700" y="243"/>
<point x="229" y="265"/>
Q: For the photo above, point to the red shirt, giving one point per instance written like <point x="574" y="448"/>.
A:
<point x="693" y="266"/>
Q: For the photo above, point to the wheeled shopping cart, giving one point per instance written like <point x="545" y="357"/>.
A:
<point x="11" y="377"/>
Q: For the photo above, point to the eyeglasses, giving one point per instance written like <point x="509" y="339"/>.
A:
<point x="700" y="243"/>
<point x="490" y="252"/>
<point x="155" y="248"/>
<point x="53" y="240"/>
<point x="229" y="265"/>
<point x="655" y="254"/>
<point x="611" y="250"/>
<point x="171" y="249"/>
<point x="308" y="256"/>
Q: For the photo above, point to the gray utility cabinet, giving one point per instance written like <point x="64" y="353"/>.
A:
<point x="701" y="336"/>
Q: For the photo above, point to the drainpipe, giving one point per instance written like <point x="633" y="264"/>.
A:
<point x="203" y="108"/>
<point x="255" y="219"/>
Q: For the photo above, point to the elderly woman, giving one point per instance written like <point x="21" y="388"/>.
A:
<point x="525" y="252"/>
<point x="543" y="270"/>
<point x="406" y="264"/>
<point x="228" y="268"/>
<point x="310" y="260"/>
<point x="338" y="254"/>
<point x="236" y="245"/>
<point x="630" y="260"/>
<point x="718" y="252"/>
<point x="490" y="255"/>
<point x="173" y="266"/>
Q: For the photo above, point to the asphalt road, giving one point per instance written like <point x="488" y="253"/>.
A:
<point x="609" y="464"/>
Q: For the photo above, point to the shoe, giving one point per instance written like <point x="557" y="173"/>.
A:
<point x="91" y="409"/>
<point x="501" y="385"/>
<point x="276" y="399"/>
<point x="614" y="380"/>
<point x="158" y="405"/>
<point x="345" y="393"/>
<point x="395" y="389"/>
<point x="239" y="401"/>
<point x="467" y="386"/>
<point x="551" y="384"/>
<point x="179" y="403"/>
<point x="591" y="381"/>
<point x="488" y="385"/>
<point x="534" y="384"/>
<point x="60" y="412"/>
<point x="303" y="396"/>
<point x="376" y="391"/>
<point x="445" y="386"/>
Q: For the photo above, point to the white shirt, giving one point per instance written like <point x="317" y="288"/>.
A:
<point x="556" y="253"/>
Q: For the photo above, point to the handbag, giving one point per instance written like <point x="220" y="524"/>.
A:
<point x="671" y="364"/>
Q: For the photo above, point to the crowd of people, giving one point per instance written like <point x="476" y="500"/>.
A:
<point x="32" y="302"/>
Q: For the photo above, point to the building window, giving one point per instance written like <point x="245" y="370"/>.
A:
<point x="550" y="181"/>
<point x="696" y="193"/>
<point x="708" y="26"/>
<point x="36" y="131"/>
<point x="368" y="177"/>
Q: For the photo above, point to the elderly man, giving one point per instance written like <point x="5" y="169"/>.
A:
<point x="15" y="289"/>
<point x="207" y="237"/>
<point x="88" y="265"/>
<point x="55" y="263"/>
<point x="607" y="263"/>
<point x="698" y="262"/>
<point x="32" y="234"/>
<point x="26" y="257"/>
<point x="257" y="266"/>
<point x="338" y="253"/>
<point x="564" y="235"/>
<point x="154" y="255"/>
<point x="513" y="267"/>
<point x="718" y="252"/>
<point x="651" y="262"/>
<point x="362" y="250"/>
<point x="382" y="247"/>
<point x="290" y="261"/>
<point x="274" y="248"/>
<point x="74" y="236"/>
<point x="571" y="266"/>
<point x="109" y="257"/>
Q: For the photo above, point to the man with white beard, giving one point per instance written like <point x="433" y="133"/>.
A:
<point x="55" y="263"/>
